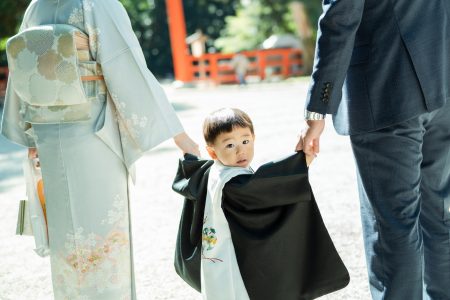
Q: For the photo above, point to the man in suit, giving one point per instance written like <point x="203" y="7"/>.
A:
<point x="382" y="70"/>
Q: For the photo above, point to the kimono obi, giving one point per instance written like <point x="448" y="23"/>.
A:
<point x="53" y="74"/>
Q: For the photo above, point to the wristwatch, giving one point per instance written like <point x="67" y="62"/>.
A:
<point x="310" y="115"/>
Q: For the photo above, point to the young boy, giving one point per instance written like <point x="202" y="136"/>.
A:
<point x="229" y="136"/>
<point x="246" y="235"/>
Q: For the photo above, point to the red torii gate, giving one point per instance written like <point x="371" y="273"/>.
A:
<point x="288" y="61"/>
<point x="187" y="68"/>
<point x="177" y="29"/>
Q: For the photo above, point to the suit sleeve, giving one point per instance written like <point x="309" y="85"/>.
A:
<point x="335" y="40"/>
<point x="13" y="126"/>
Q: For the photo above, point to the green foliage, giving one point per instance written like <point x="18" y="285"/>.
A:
<point x="208" y="16"/>
<point x="259" y="19"/>
<point x="314" y="9"/>
<point x="253" y="24"/>
<point x="149" y="21"/>
<point x="11" y="16"/>
<point x="148" y="18"/>
<point x="233" y="26"/>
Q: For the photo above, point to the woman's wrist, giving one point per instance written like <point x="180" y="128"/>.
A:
<point x="32" y="153"/>
<point x="180" y="137"/>
<point x="186" y="144"/>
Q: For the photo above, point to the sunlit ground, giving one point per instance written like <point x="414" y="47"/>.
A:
<point x="276" y="109"/>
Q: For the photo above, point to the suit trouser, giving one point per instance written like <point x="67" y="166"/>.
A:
<point x="404" y="186"/>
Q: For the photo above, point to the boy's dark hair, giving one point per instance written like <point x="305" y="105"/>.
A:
<point x="224" y="120"/>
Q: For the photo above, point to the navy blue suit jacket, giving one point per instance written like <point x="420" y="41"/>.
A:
<point x="380" y="62"/>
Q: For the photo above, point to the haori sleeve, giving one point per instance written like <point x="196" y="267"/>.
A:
<point x="146" y="118"/>
<point x="274" y="184"/>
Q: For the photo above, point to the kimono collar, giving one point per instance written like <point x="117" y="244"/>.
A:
<point x="221" y="167"/>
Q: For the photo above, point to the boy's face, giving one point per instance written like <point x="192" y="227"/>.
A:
<point x="233" y="149"/>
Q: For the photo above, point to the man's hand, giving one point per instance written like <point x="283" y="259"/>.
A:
<point x="309" y="139"/>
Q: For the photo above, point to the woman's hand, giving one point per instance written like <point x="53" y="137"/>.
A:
<point x="186" y="144"/>
<point x="32" y="153"/>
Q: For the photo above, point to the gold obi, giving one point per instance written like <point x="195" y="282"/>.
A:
<point x="52" y="72"/>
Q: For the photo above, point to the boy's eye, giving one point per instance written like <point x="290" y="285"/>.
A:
<point x="246" y="142"/>
<point x="229" y="146"/>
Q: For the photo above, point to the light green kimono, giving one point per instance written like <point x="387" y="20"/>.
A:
<point x="85" y="162"/>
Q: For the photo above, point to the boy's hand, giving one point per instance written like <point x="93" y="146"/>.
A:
<point x="309" y="140"/>
<point x="309" y="160"/>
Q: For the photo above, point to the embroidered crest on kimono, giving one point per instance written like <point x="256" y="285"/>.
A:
<point x="209" y="240"/>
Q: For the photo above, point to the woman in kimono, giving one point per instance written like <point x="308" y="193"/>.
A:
<point x="89" y="124"/>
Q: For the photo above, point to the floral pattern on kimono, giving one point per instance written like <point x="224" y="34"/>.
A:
<point x="94" y="261"/>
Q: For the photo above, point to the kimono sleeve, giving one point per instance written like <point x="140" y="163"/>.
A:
<point x="272" y="185"/>
<point x="146" y="118"/>
<point x="13" y="126"/>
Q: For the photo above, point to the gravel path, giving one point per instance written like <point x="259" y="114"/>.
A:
<point x="276" y="110"/>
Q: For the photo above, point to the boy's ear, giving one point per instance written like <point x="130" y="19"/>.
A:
<point x="211" y="152"/>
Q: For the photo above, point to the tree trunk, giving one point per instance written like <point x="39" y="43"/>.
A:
<point x="305" y="33"/>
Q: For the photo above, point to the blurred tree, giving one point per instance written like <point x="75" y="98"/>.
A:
<point x="11" y="15"/>
<point x="301" y="12"/>
<point x="256" y="20"/>
<point x="206" y="15"/>
<point x="252" y="24"/>
<point x="149" y="20"/>
<point x="314" y="10"/>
